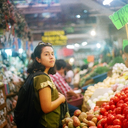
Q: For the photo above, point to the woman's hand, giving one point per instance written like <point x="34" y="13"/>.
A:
<point x="62" y="97"/>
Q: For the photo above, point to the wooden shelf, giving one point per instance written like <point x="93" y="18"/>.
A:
<point x="1" y="85"/>
<point x="4" y="124"/>
<point x="11" y="110"/>
<point x="2" y="106"/>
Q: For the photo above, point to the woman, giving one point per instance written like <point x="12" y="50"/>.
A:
<point x="48" y="95"/>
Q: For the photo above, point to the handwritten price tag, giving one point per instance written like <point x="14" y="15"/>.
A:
<point x="120" y="18"/>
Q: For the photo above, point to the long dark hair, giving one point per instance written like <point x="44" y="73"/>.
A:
<point x="35" y="66"/>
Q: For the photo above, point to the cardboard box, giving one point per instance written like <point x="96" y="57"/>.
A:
<point x="99" y="103"/>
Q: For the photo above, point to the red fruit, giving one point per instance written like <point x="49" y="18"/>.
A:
<point x="96" y="108"/>
<point x="120" y="117"/>
<point x="116" y="99"/>
<point x="99" y="126"/>
<point x="116" y="122"/>
<point x="106" y="114"/>
<point x="126" y="100"/>
<point x="124" y="106"/>
<point x="116" y="126"/>
<point x="118" y="110"/>
<point x="112" y="107"/>
<point x="117" y="95"/>
<point x="99" y="117"/>
<point x="104" y="121"/>
<point x="102" y="110"/>
<point x="125" y="111"/>
<point x="111" y="102"/>
<point x="77" y="112"/>
<point x="125" y="123"/>
<point x="107" y="107"/>
<point x="110" y="119"/>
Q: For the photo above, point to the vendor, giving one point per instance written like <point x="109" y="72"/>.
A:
<point x="125" y="55"/>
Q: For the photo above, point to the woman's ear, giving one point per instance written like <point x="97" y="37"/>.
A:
<point x="37" y="59"/>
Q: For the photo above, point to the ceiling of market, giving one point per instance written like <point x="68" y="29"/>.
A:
<point x="76" y="17"/>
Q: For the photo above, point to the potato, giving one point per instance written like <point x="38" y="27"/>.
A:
<point x="82" y="116"/>
<point x="67" y="120"/>
<point x="94" y="119"/>
<point x="76" y="121"/>
<point x="90" y="123"/>
<point x="90" y="116"/>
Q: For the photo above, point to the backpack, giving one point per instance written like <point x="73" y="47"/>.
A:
<point x="25" y="114"/>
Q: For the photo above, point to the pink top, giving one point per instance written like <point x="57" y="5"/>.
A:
<point x="60" y="83"/>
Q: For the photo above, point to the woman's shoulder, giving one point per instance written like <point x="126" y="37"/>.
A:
<point x="42" y="77"/>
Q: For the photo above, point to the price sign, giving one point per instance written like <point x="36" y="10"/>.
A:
<point x="120" y="18"/>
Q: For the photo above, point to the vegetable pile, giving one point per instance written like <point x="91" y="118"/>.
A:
<point x="114" y="114"/>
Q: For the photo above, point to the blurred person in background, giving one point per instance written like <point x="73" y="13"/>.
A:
<point x="62" y="85"/>
<point x="125" y="56"/>
<point x="76" y="78"/>
<point x="69" y="75"/>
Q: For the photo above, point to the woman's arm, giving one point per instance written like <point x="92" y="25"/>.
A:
<point x="45" y="100"/>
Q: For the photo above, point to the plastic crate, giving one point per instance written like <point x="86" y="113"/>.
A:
<point x="75" y="102"/>
<point x="100" y="78"/>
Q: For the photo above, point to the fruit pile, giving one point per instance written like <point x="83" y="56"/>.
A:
<point x="113" y="114"/>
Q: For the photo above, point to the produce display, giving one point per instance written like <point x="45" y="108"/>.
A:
<point x="96" y="71"/>
<point x="119" y="68"/>
<point x="115" y="61"/>
<point x="112" y="112"/>
<point x="116" y="82"/>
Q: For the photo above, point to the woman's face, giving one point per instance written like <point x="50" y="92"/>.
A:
<point x="47" y="57"/>
<point x="126" y="59"/>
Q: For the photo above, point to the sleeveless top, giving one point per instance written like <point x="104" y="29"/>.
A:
<point x="51" y="119"/>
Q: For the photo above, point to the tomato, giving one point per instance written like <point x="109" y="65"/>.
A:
<point x="112" y="107"/>
<point x="125" y="111"/>
<point x="120" y="117"/>
<point x="106" y="114"/>
<point x="104" y="104"/>
<point x="126" y="100"/>
<point x="99" y="126"/>
<point x="104" y="120"/>
<point x="110" y="111"/>
<point x="125" y="123"/>
<point x="122" y="93"/>
<point x="110" y="126"/>
<point x="119" y="104"/>
<point x="126" y="91"/>
<point x="124" y="106"/>
<point x="116" y="126"/>
<point x="122" y="97"/>
<point x="118" y="110"/>
<point x="116" y="122"/>
<point x="96" y="108"/>
<point x="102" y="111"/>
<point x="99" y="117"/>
<point x="110" y="119"/>
<point x="111" y="102"/>
<point x="116" y="99"/>
<point x="106" y="125"/>
<point x="117" y="95"/>
<point x="107" y="107"/>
